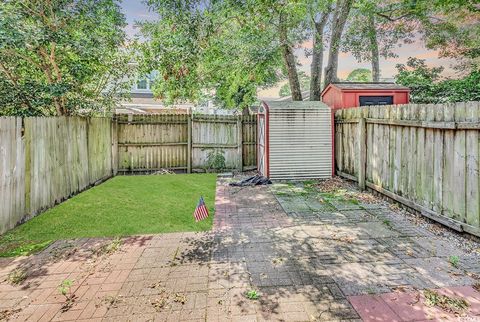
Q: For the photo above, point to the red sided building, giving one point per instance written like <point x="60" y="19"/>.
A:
<point x="351" y="94"/>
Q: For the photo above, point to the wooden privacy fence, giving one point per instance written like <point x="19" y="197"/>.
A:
<point x="45" y="160"/>
<point x="424" y="156"/>
<point x="183" y="142"/>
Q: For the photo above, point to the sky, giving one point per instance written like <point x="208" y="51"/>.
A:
<point x="136" y="10"/>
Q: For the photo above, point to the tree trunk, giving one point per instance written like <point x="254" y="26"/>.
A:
<point x="340" y="16"/>
<point x="290" y="63"/>
<point x="317" y="58"/>
<point x="374" y="49"/>
<point x="58" y="106"/>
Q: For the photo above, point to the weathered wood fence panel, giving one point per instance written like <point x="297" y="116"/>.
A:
<point x="425" y="156"/>
<point x="99" y="144"/>
<point x="45" y="160"/>
<point x="215" y="134"/>
<point x="183" y="142"/>
<point x="12" y="172"/>
<point x="249" y="134"/>
<point x="152" y="142"/>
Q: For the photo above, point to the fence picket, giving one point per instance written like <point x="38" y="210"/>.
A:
<point x="472" y="173"/>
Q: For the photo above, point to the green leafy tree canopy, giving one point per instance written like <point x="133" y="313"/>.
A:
<point x="62" y="56"/>
<point x="360" y="75"/>
<point x="428" y="86"/>
<point x="304" y="85"/>
<point x="225" y="50"/>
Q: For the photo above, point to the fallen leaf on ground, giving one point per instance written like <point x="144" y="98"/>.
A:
<point x="180" y="298"/>
<point x="159" y="303"/>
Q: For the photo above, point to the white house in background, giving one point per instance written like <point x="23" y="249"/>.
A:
<point x="143" y="85"/>
<point x="143" y="102"/>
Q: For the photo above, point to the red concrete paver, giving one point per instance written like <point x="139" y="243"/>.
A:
<point x="410" y="306"/>
<point x="468" y="293"/>
<point x="50" y="313"/>
<point x="69" y="315"/>
<point x="372" y="308"/>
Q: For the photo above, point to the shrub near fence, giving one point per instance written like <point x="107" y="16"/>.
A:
<point x="424" y="156"/>
<point x="45" y="160"/>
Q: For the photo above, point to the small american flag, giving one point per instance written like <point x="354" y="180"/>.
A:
<point x="201" y="212"/>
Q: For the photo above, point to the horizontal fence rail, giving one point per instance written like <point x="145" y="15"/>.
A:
<point x="424" y="156"/>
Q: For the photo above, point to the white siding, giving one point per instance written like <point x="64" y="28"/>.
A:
<point x="300" y="140"/>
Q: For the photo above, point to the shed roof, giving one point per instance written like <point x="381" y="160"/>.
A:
<point x="295" y="105"/>
<point x="369" y="86"/>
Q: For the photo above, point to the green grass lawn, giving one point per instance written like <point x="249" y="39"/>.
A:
<point x="122" y="206"/>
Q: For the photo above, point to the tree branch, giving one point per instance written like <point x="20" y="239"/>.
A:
<point x="389" y="18"/>
<point x="16" y="53"/>
<point x="54" y="62"/>
<point x="59" y="103"/>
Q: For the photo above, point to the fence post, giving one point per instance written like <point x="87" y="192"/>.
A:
<point x="114" y="137"/>
<point x="27" y="135"/>
<point x="189" y="142"/>
<point x="362" y="152"/>
<point x="240" y="142"/>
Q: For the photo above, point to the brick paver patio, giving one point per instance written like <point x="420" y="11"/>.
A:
<point x="307" y="258"/>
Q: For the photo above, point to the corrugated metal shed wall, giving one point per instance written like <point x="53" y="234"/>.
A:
<point x="300" y="140"/>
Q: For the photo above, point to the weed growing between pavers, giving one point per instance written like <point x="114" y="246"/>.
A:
<point x="175" y="258"/>
<point x="65" y="288"/>
<point x="252" y="295"/>
<point x="17" y="276"/>
<point x="121" y="206"/>
<point x="387" y="223"/>
<point x="109" y="248"/>
<point x="454" y="260"/>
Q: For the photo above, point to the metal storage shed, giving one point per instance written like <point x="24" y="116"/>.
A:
<point x="351" y="94"/>
<point x="295" y="140"/>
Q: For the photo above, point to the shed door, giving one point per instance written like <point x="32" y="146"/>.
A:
<point x="376" y="100"/>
